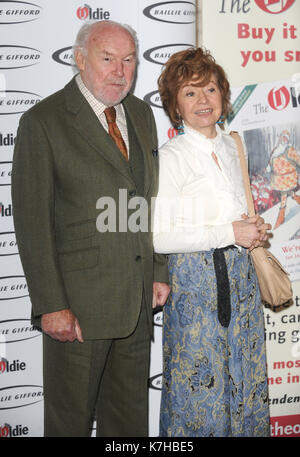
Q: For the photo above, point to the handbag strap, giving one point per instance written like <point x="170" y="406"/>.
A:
<point x="245" y="174"/>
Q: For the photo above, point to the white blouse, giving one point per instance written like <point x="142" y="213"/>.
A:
<point x="197" y="200"/>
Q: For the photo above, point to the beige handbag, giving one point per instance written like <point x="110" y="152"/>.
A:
<point x="274" y="283"/>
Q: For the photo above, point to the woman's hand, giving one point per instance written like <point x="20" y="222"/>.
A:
<point x="262" y="228"/>
<point x="246" y="233"/>
<point x="251" y="232"/>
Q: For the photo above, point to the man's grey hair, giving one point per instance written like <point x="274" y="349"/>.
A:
<point x="87" y="28"/>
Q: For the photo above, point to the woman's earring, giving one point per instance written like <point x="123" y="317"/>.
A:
<point x="180" y="127"/>
<point x="221" y="120"/>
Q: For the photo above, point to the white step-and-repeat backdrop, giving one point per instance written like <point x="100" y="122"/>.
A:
<point x="257" y="42"/>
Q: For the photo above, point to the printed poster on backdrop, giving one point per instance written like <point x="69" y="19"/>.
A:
<point x="268" y="117"/>
<point x="253" y="39"/>
<point x="257" y="43"/>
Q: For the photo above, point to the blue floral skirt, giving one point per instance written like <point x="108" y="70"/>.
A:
<point x="214" y="377"/>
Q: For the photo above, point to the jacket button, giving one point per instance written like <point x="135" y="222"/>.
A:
<point x="138" y="257"/>
<point x="132" y="193"/>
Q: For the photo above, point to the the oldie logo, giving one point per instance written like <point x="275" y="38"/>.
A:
<point x="13" y="57"/>
<point x="14" y="12"/>
<point x="86" y="12"/>
<point x="153" y="98"/>
<point x="18" y="396"/>
<point x="274" y="6"/>
<point x="4" y="431"/>
<point x="8" y="244"/>
<point x="5" y="211"/>
<point x="64" y="56"/>
<point x="7" y="430"/>
<point x="15" y="330"/>
<point x="18" y="101"/>
<point x="5" y="173"/>
<point x="160" y="54"/>
<point x="7" y="366"/>
<point x="13" y="287"/>
<point x="172" y="12"/>
<point x="279" y="98"/>
<point x="155" y="382"/>
<point x="3" y="365"/>
<point x="7" y="139"/>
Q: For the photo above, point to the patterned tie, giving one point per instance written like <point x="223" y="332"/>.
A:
<point x="114" y="131"/>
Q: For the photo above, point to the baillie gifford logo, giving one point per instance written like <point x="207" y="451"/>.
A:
<point x="274" y="6"/>
<point x="18" y="12"/>
<point x="86" y="12"/>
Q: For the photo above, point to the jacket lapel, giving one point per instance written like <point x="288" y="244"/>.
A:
<point x="139" y="125"/>
<point x="88" y="125"/>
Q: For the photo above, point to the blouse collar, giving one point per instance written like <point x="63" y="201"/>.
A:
<point x="202" y="138"/>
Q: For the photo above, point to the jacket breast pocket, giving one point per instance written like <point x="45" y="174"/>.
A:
<point x="80" y="229"/>
<point x="80" y="259"/>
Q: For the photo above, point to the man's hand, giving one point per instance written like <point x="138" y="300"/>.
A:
<point x="161" y="291"/>
<point x="62" y="326"/>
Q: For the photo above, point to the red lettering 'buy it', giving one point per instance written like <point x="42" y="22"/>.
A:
<point x="285" y="425"/>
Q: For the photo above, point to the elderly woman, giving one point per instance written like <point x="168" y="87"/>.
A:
<point x="214" y="379"/>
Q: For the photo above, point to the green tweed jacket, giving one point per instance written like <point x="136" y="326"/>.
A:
<point x="64" y="162"/>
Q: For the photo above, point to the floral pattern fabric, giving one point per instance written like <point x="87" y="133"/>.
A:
<point x="214" y="378"/>
<point x="284" y="170"/>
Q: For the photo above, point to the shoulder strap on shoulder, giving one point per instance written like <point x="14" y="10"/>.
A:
<point x="245" y="173"/>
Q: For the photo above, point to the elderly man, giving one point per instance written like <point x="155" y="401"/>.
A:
<point x="92" y="290"/>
